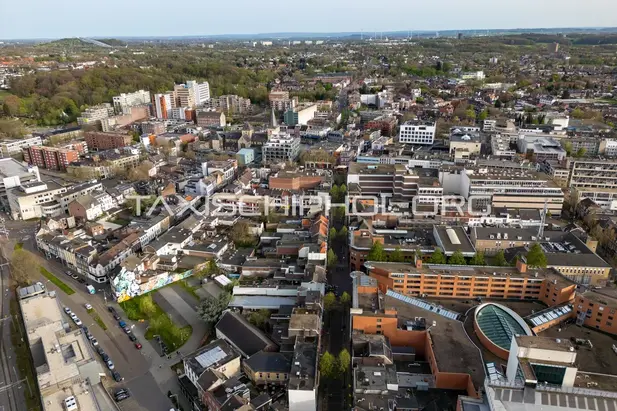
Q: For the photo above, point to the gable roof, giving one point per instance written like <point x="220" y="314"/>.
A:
<point x="244" y="336"/>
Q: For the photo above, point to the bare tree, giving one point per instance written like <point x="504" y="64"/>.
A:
<point x="23" y="269"/>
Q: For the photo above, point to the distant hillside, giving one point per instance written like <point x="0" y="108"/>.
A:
<point x="68" y="42"/>
<point x="113" y="42"/>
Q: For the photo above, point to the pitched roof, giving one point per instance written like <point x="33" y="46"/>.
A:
<point x="247" y="338"/>
<point x="269" y="362"/>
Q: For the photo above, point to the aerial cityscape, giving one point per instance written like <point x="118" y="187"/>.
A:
<point x="332" y="218"/>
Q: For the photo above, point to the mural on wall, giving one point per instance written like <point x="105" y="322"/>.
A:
<point x="128" y="284"/>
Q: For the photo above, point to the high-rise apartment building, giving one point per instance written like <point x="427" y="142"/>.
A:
<point x="50" y="158"/>
<point x="124" y="102"/>
<point x="184" y="95"/>
<point x="201" y="91"/>
<point x="162" y="105"/>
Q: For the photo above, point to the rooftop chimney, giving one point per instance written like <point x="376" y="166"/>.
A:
<point x="521" y="265"/>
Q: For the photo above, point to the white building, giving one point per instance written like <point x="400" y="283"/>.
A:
<point x="201" y="91"/>
<point x="95" y="114"/>
<point x="11" y="147"/>
<point x="280" y="148"/>
<point x="475" y="75"/>
<point x="414" y="132"/>
<point x="163" y="104"/>
<point x="124" y="102"/>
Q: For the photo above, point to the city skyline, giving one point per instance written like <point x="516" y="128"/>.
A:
<point x="246" y="18"/>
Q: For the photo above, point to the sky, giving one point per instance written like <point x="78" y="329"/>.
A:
<point x="25" y="19"/>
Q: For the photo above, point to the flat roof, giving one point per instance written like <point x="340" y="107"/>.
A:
<point x="454" y="239"/>
<point x="10" y="167"/>
<point x="544" y="343"/>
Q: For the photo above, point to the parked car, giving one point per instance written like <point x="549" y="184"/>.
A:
<point x="77" y="322"/>
<point x="117" y="377"/>
<point x="111" y="309"/>
<point x="127" y="329"/>
<point x="68" y="273"/>
<point x="88" y="306"/>
<point x="110" y="364"/>
<point x="132" y="337"/>
<point x="121" y="391"/>
<point x="74" y="276"/>
<point x="72" y="315"/>
<point x="67" y="310"/>
<point x="40" y="284"/>
<point x="105" y="357"/>
<point x="116" y="317"/>
<point x="100" y="351"/>
<point x="94" y="342"/>
<point x="138" y="345"/>
<point x="121" y="397"/>
<point x="122" y="324"/>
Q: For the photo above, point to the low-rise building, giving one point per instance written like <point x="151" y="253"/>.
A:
<point x="13" y="147"/>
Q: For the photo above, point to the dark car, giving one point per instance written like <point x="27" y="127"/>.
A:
<point x="122" y="324"/>
<point x="111" y="309"/>
<point x="116" y="317"/>
<point x="132" y="337"/>
<point x="127" y="329"/>
<point x="117" y="377"/>
<point x="121" y="391"/>
<point x="121" y="397"/>
<point x="100" y="351"/>
<point x="105" y="357"/>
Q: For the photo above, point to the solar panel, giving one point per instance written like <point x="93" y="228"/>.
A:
<point x="424" y="305"/>
<point x="210" y="357"/>
<point x="549" y="315"/>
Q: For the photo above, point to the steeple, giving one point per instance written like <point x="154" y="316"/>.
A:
<point x="273" y="122"/>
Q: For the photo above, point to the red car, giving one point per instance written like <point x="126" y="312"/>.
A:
<point x="138" y="345"/>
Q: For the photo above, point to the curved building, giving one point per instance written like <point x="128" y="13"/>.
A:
<point x="496" y="325"/>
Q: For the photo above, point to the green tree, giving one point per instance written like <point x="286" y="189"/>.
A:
<point x="332" y="258"/>
<point x="500" y="259"/>
<point x="457" y="259"/>
<point x="498" y="104"/>
<point x="438" y="257"/>
<point x="536" y="256"/>
<point x="344" y="361"/>
<point x="259" y="318"/>
<point x="12" y="106"/>
<point x="146" y="305"/>
<point x="580" y="152"/>
<point x="23" y="270"/>
<point x="210" y="309"/>
<point x="470" y="113"/>
<point x="345" y="298"/>
<point x="342" y="190"/>
<point x="483" y="115"/>
<point x="329" y="301"/>
<point x="332" y="235"/>
<point x="396" y="256"/>
<point x="568" y="147"/>
<point x="327" y="365"/>
<point x="335" y="193"/>
<point x="577" y="113"/>
<point x="343" y="234"/>
<point x="376" y="252"/>
<point x="477" y="259"/>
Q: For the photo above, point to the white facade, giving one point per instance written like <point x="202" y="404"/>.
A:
<point x="416" y="133"/>
<point x="201" y="91"/>
<point x="124" y="102"/>
<point x="281" y="148"/>
<point x="15" y="146"/>
<point x="163" y="104"/>
<point x="302" y="400"/>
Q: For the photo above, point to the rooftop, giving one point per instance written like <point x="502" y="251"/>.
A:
<point x="544" y="343"/>
<point x="499" y="324"/>
<point x="304" y="365"/>
<point x="213" y="355"/>
<point x="243" y="335"/>
<point x="9" y="167"/>
<point x="269" y="362"/>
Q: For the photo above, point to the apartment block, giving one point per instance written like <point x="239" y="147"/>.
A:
<point x="162" y="105"/>
<point x="185" y="95"/>
<point x="414" y="132"/>
<point x="12" y="147"/>
<point x="106" y="141"/>
<point x="201" y="91"/>
<point x="153" y="127"/>
<point x="596" y="180"/>
<point x="95" y="114"/>
<point x="50" y="158"/>
<point x="280" y="148"/>
<point x="280" y="100"/>
<point x="229" y="102"/>
<point x="125" y="101"/>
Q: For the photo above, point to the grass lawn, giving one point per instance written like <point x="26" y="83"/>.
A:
<point x="97" y="318"/>
<point x="56" y="281"/>
<point x="23" y="358"/>
<point x="120" y="221"/>
<point x="159" y="323"/>
<point x="191" y="290"/>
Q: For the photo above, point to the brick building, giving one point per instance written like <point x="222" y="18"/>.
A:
<point x="50" y="158"/>
<point x="106" y="141"/>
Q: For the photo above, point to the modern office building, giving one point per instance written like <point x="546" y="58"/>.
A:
<point x="415" y="132"/>
<point x="13" y="174"/>
<point x="125" y="101"/>
<point x="184" y="95"/>
<point x="300" y="114"/>
<point x="596" y="180"/>
<point x="280" y="148"/>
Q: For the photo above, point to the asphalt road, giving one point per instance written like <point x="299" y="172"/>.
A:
<point x="132" y="364"/>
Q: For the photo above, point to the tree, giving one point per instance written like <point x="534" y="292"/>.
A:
<point x="344" y="361"/>
<point x="11" y="128"/>
<point x="332" y="235"/>
<point x="577" y="113"/>
<point x="568" y="147"/>
<point x="335" y="193"/>
<point x="345" y="298"/>
<point x="396" y="256"/>
<point x="141" y="172"/>
<point x="327" y="365"/>
<point x="210" y="309"/>
<point x="259" y="318"/>
<point x="146" y="305"/>
<point x="498" y="104"/>
<point x="438" y="257"/>
<point x="332" y="259"/>
<point x="329" y="301"/>
<point x="536" y="257"/>
<point x="483" y="115"/>
<point x="477" y="259"/>
<point x="457" y="259"/>
<point x="343" y="233"/>
<point x="376" y="252"/>
<point x="241" y="234"/>
<point x="580" y="152"/>
<point x="23" y="271"/>
<point x="500" y="259"/>
<point x="470" y="113"/>
<point x="12" y="106"/>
